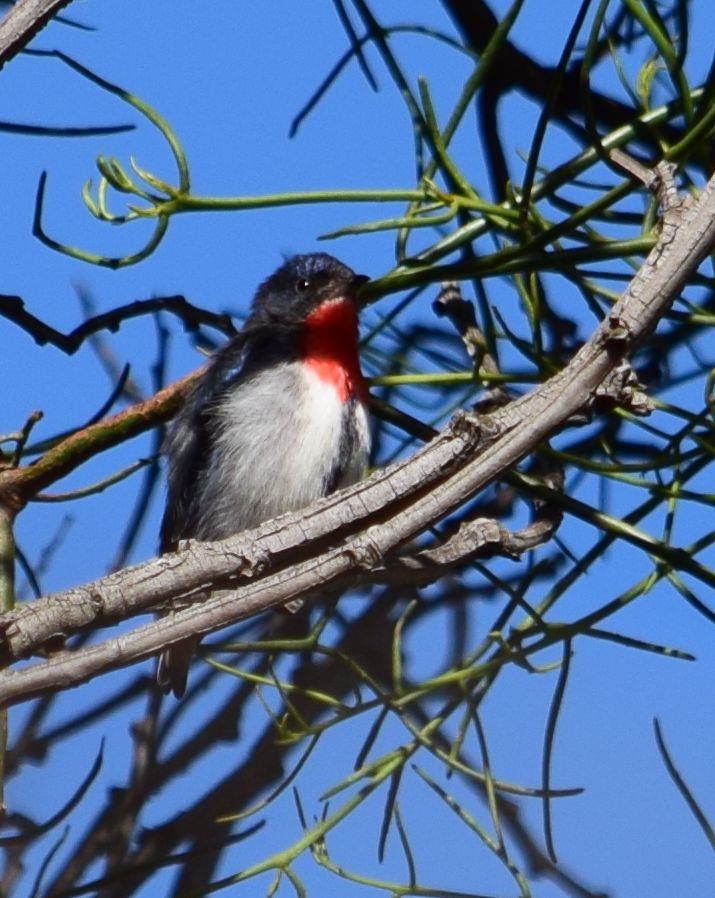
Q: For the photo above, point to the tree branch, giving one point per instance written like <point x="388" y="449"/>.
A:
<point x="22" y="22"/>
<point x="13" y="308"/>
<point x="515" y="70"/>
<point x="335" y="542"/>
<point x="19" y="485"/>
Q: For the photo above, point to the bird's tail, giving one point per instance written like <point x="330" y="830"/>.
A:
<point x="173" y="668"/>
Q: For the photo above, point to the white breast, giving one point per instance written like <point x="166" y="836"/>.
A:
<point x="321" y="413"/>
<point x="278" y="445"/>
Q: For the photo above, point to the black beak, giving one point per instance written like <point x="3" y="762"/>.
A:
<point x="358" y="281"/>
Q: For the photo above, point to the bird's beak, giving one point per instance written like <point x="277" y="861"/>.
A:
<point x="358" y="281"/>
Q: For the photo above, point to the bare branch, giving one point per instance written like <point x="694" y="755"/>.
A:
<point x="13" y="308"/>
<point x="19" y="485"/>
<point x="333" y="543"/>
<point x="22" y="23"/>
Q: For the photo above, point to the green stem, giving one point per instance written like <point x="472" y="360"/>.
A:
<point x="281" y="859"/>
<point x="188" y="202"/>
<point x="440" y="378"/>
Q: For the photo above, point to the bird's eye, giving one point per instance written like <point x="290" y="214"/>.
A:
<point x="302" y="284"/>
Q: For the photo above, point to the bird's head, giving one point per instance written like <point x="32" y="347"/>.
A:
<point x="306" y="285"/>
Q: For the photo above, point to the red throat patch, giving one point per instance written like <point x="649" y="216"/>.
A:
<point x="330" y="348"/>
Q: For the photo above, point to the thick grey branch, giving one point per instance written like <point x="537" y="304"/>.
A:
<point x="480" y="538"/>
<point x="22" y="22"/>
<point x="334" y="542"/>
<point x="136" y="589"/>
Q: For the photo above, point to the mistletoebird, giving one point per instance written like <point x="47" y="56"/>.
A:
<point x="278" y="420"/>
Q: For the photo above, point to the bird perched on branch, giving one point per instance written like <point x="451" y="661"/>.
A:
<point x="277" y="421"/>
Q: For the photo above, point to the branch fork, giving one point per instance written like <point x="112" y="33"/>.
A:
<point x="353" y="536"/>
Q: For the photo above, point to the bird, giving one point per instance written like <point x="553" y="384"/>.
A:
<point x="278" y="419"/>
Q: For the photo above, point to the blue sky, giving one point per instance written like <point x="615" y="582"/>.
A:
<point x="230" y="87"/>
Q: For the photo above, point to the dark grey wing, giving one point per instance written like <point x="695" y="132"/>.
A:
<point x="188" y="441"/>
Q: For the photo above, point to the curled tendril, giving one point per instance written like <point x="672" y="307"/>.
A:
<point x="113" y="174"/>
<point x="157" y="236"/>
